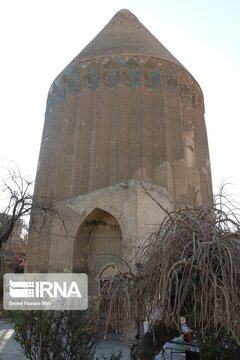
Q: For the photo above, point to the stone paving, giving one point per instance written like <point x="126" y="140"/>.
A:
<point x="11" y="350"/>
<point x="107" y="348"/>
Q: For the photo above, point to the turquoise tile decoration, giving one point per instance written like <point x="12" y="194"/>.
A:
<point x="116" y="71"/>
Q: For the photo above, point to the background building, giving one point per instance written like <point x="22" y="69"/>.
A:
<point x="13" y="252"/>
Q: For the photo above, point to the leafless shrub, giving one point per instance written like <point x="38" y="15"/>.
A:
<point x="17" y="196"/>
<point x="189" y="267"/>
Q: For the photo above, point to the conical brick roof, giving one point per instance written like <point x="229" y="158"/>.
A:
<point x="125" y="34"/>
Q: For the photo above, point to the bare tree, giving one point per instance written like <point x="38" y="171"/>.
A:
<point x="16" y="201"/>
<point x="189" y="267"/>
<point x="17" y="192"/>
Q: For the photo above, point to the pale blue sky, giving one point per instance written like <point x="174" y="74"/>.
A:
<point x="40" y="37"/>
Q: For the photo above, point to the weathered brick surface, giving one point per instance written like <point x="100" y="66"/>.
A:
<point x="135" y="128"/>
<point x="114" y="220"/>
<point x="124" y="113"/>
<point x="98" y="137"/>
<point x="124" y="109"/>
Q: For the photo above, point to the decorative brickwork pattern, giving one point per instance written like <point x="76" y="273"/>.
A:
<point x="117" y="119"/>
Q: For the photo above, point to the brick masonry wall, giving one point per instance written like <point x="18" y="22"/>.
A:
<point x="98" y="233"/>
<point x="116" y="124"/>
<point x="117" y="118"/>
<point x="62" y="242"/>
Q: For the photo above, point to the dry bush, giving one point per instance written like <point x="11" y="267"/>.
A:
<point x="189" y="267"/>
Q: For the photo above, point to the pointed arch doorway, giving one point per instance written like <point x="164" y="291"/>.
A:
<point x="98" y="251"/>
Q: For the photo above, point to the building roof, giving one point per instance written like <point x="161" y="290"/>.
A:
<point x="125" y="35"/>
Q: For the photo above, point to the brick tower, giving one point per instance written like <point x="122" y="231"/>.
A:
<point x="123" y="117"/>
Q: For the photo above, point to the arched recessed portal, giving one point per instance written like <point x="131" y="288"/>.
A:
<point x="98" y="248"/>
